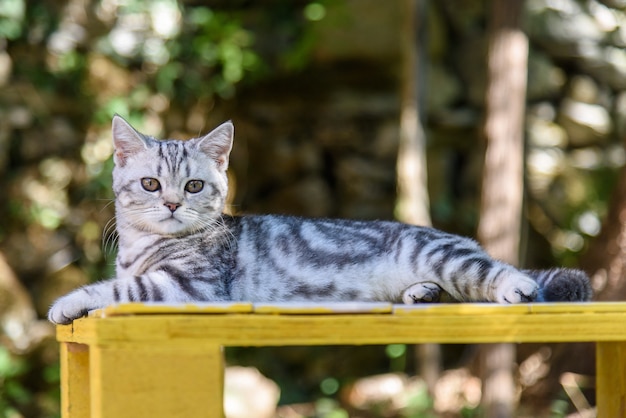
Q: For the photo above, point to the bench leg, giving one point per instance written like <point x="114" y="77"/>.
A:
<point x="611" y="379"/>
<point x="74" y="380"/>
<point x="148" y="381"/>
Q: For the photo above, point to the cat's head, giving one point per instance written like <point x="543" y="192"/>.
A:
<point x="169" y="187"/>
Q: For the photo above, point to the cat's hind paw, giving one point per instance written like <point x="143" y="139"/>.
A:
<point x="424" y="292"/>
<point x="517" y="288"/>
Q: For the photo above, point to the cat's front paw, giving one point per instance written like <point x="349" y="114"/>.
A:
<point x="68" y="308"/>
<point x="425" y="292"/>
<point x="517" y="288"/>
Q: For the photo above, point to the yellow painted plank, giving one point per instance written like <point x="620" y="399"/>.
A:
<point x="82" y="330"/>
<point x="254" y="329"/>
<point x="514" y="309"/>
<point x="313" y="308"/>
<point x="422" y="309"/>
<point x="577" y="307"/>
<point x="162" y="308"/>
<point x="74" y="380"/>
<point x="164" y="381"/>
<point x="358" y="307"/>
<point x="611" y="379"/>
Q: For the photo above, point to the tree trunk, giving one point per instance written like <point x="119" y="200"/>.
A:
<point x="413" y="205"/>
<point x="502" y="187"/>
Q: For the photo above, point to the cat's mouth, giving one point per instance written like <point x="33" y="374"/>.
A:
<point x="171" y="225"/>
<point x="172" y="217"/>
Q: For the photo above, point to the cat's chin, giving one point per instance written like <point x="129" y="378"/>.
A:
<point x="172" y="227"/>
<point x="168" y="227"/>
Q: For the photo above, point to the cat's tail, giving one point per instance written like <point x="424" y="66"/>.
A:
<point x="562" y="285"/>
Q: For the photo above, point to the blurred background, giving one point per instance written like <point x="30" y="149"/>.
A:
<point x="342" y="108"/>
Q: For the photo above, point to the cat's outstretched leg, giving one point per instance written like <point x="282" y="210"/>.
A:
<point x="467" y="273"/>
<point x="555" y="285"/>
<point x="511" y="287"/>
<point x="499" y="283"/>
<point x="156" y="286"/>
<point x="80" y="301"/>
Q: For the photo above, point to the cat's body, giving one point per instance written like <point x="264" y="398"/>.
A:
<point x="175" y="245"/>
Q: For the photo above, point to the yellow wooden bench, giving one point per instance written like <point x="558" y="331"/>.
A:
<point x="143" y="360"/>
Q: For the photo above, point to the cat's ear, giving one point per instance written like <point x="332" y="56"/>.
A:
<point x="126" y="141"/>
<point x="218" y="143"/>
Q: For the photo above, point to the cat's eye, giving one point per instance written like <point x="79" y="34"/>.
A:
<point x="149" y="184"/>
<point x="194" y="186"/>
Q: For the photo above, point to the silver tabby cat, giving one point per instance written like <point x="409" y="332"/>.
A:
<point x="176" y="245"/>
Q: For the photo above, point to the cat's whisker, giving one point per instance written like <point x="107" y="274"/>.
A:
<point x="228" y="236"/>
<point x="109" y="237"/>
<point x="109" y="203"/>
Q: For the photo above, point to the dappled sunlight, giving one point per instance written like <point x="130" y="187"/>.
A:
<point x="535" y="367"/>
<point x="247" y="394"/>
<point x="397" y="395"/>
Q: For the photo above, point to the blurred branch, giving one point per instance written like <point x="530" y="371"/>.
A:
<point x="572" y="384"/>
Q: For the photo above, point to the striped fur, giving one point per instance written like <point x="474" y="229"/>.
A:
<point x="175" y="245"/>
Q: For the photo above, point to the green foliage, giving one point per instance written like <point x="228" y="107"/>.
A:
<point x="329" y="408"/>
<point x="12" y="391"/>
<point x="193" y="51"/>
<point x="420" y="405"/>
<point x="19" y="396"/>
<point x="298" y="56"/>
<point x="11" y="18"/>
<point x="397" y="356"/>
<point x="217" y="53"/>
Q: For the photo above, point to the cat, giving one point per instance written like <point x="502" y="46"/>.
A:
<point x="176" y="245"/>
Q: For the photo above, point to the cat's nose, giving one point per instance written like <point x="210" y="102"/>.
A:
<point x="172" y="206"/>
